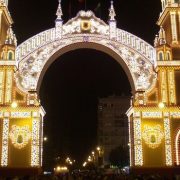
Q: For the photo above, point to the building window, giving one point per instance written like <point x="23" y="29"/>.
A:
<point x="10" y="55"/>
<point x="160" y="55"/>
<point x="168" y="55"/>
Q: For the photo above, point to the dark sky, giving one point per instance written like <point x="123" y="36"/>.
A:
<point x="72" y="84"/>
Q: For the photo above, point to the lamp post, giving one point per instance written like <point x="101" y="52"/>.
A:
<point x="99" y="156"/>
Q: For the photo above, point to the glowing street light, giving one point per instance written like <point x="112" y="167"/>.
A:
<point x="45" y="139"/>
<point x="84" y="164"/>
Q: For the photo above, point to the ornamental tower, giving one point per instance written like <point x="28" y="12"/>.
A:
<point x="7" y="55"/>
<point x="169" y="21"/>
<point x="20" y="112"/>
<point x="167" y="44"/>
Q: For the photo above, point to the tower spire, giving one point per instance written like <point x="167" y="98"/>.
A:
<point x="59" y="11"/>
<point x="112" y="13"/>
<point x="4" y="2"/>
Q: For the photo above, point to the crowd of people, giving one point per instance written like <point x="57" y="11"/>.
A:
<point x="100" y="176"/>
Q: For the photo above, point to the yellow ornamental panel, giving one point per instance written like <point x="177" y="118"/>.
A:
<point x="171" y="86"/>
<point x="1" y="86"/>
<point x="20" y="136"/>
<point x="9" y="82"/>
<point x="163" y="81"/>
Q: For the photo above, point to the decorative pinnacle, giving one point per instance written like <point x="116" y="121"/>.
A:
<point x="112" y="12"/>
<point x="11" y="38"/>
<point x="4" y="2"/>
<point x="59" y="11"/>
<point x="162" y="36"/>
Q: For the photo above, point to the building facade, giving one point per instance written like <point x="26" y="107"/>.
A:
<point x="112" y="123"/>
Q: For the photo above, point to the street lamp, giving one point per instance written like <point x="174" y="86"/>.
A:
<point x="45" y="139"/>
<point x="99" y="156"/>
<point x="84" y="164"/>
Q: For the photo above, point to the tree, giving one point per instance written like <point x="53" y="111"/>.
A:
<point x="119" y="156"/>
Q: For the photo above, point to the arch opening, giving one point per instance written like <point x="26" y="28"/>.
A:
<point x="76" y="80"/>
<point x="93" y="46"/>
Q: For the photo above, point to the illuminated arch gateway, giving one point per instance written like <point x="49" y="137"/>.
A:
<point x="153" y="72"/>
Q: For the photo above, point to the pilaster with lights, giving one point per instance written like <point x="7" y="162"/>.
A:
<point x="154" y="119"/>
<point x="20" y="113"/>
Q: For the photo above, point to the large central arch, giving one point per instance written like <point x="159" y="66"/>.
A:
<point x="37" y="53"/>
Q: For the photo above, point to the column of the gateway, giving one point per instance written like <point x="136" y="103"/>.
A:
<point x="138" y="151"/>
<point x="5" y="140"/>
<point x="35" y="146"/>
<point x="167" y="135"/>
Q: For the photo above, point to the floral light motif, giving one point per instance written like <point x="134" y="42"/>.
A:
<point x="153" y="136"/>
<point x="20" y="136"/>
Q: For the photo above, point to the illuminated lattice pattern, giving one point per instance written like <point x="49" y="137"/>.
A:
<point x="30" y="67"/>
<point x="42" y="135"/>
<point x="152" y="114"/>
<point x="175" y="114"/>
<point x="129" y="129"/>
<point x="20" y="114"/>
<point x="35" y="151"/>
<point x="153" y="135"/>
<point x="4" y="158"/>
<point x="20" y="136"/>
<point x="138" y="142"/>
<point x="167" y="135"/>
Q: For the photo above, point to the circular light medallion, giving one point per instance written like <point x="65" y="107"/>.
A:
<point x="20" y="136"/>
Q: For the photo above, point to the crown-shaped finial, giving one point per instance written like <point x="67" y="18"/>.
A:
<point x="10" y="37"/>
<point x="112" y="12"/>
<point x="59" y="11"/>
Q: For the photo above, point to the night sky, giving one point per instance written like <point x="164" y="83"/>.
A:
<point x="72" y="84"/>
